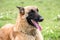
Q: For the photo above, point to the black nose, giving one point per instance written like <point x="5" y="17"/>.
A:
<point x="41" y="19"/>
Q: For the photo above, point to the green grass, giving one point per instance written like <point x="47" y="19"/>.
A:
<point x="49" y="9"/>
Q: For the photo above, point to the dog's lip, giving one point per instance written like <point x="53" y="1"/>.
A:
<point x="36" y="25"/>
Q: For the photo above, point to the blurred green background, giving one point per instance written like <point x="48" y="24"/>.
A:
<point x="49" y="9"/>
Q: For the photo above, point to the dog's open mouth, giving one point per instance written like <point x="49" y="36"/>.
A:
<point x="36" y="24"/>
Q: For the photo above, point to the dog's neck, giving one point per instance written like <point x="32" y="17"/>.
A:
<point x="23" y="26"/>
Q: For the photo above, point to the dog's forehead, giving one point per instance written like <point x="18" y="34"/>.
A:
<point x="28" y="8"/>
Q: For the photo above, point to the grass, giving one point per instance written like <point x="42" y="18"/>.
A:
<point x="49" y="9"/>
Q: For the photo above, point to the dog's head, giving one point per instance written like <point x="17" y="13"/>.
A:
<point x="31" y="13"/>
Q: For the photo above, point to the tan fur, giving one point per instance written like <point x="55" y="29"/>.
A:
<point x="21" y="30"/>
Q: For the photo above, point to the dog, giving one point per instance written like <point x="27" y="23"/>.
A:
<point x="26" y="26"/>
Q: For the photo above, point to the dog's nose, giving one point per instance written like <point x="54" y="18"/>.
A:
<point x="41" y="19"/>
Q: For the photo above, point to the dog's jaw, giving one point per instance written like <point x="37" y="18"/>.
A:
<point x="34" y="24"/>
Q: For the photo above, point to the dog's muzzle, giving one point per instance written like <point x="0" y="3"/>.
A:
<point x="36" y="20"/>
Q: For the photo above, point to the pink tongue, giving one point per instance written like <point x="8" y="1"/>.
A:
<point x="36" y="24"/>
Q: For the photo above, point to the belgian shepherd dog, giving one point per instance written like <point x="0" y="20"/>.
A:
<point x="26" y="26"/>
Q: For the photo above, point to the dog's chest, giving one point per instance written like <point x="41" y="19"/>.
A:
<point x="29" y="37"/>
<point x="24" y="36"/>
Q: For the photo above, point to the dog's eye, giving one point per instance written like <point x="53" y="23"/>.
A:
<point x="37" y="10"/>
<point x="32" y="11"/>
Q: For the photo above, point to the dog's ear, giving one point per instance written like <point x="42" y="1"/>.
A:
<point x="21" y="10"/>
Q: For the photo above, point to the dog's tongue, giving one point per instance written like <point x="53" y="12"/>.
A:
<point x="36" y="24"/>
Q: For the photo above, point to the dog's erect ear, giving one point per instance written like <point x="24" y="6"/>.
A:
<point x="21" y="10"/>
